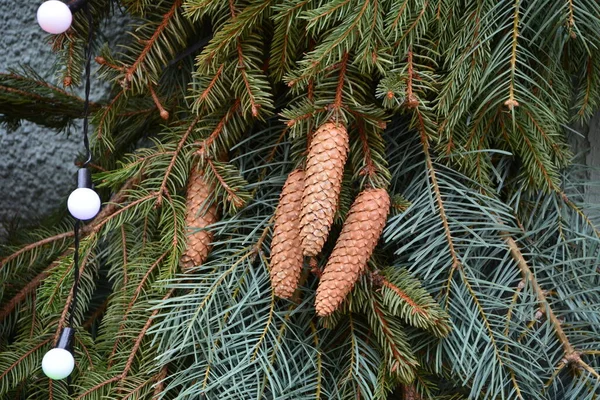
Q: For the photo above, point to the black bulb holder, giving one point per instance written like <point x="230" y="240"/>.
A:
<point x="76" y="5"/>
<point x="65" y="341"/>
<point x="84" y="178"/>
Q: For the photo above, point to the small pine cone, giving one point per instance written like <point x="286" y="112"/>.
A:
<point x="198" y="216"/>
<point x="324" y="172"/>
<point x="286" y="252"/>
<point x="354" y="247"/>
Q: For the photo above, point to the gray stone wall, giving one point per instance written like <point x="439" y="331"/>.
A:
<point x="37" y="170"/>
<point x="36" y="164"/>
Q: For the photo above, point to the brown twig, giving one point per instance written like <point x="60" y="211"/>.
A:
<point x="159" y="30"/>
<point x="163" y="185"/>
<point x="571" y="355"/>
<point x="206" y="143"/>
<point x="411" y="99"/>
<point x="164" y="114"/>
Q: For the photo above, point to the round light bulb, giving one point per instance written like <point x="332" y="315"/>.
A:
<point x="54" y="16"/>
<point x="58" y="363"/>
<point x="84" y="204"/>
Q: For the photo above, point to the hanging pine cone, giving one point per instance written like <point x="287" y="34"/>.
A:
<point x="286" y="253"/>
<point x="324" y="172"/>
<point x="198" y="216"/>
<point x="359" y="236"/>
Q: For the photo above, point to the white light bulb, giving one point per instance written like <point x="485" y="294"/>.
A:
<point x="58" y="364"/>
<point x="54" y="16"/>
<point x="84" y="204"/>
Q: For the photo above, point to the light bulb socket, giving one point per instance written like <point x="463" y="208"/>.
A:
<point x="65" y="341"/>
<point x="84" y="178"/>
<point x="76" y="5"/>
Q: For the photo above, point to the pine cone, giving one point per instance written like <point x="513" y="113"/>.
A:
<point x="354" y="247"/>
<point x="286" y="252"/>
<point x="198" y="216"/>
<point x="324" y="172"/>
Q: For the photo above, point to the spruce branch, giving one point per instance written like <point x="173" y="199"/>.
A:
<point x="137" y="67"/>
<point x="511" y="103"/>
<point x="571" y="355"/>
<point x="163" y="186"/>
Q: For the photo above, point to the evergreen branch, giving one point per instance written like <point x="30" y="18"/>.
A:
<point x="63" y="317"/>
<point x="138" y="341"/>
<point x="85" y="351"/>
<point x="242" y="68"/>
<point x="42" y="83"/>
<point x="401" y="362"/>
<point x="313" y="329"/>
<point x="369" y="169"/>
<point x="105" y="115"/>
<point x="411" y="100"/>
<point x="129" y="72"/>
<point x="32" y="246"/>
<point x="98" y="386"/>
<point x="236" y="200"/>
<point x="571" y="355"/>
<point x="163" y="185"/>
<point x="415" y="307"/>
<point x="25" y="291"/>
<point x="95" y="315"/>
<point x="410" y="29"/>
<point x="339" y="91"/>
<point x="207" y="143"/>
<point x="160" y="384"/>
<point x="511" y="103"/>
<point x="541" y="166"/>
<point x="138" y="387"/>
<point x="211" y="84"/>
<point x="438" y="195"/>
<point x="24" y="356"/>
<point x="134" y="298"/>
<point x="234" y="30"/>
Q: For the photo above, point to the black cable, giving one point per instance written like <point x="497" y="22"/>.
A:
<point x="73" y="305"/>
<point x="86" y="103"/>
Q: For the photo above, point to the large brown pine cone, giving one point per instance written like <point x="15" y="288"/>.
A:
<point x="324" y="171"/>
<point x="200" y="213"/>
<point x="359" y="236"/>
<point x="286" y="252"/>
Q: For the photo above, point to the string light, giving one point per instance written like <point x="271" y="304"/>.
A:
<point x="83" y="203"/>
<point x="54" y="16"/>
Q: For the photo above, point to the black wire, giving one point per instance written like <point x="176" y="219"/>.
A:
<point x="86" y="104"/>
<point x="73" y="305"/>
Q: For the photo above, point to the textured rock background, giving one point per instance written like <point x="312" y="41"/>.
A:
<point x="36" y="164"/>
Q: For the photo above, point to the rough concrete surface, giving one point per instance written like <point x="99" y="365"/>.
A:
<point x="36" y="164"/>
